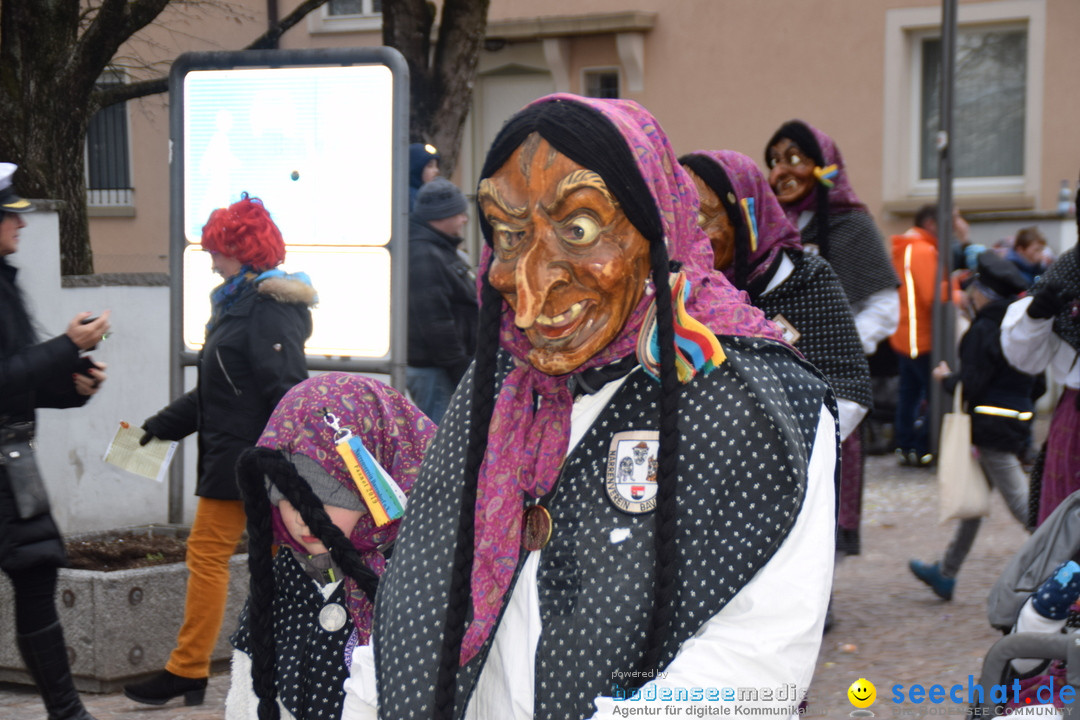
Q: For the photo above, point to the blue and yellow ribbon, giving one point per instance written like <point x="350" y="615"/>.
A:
<point x="827" y="175"/>
<point x="751" y="221"/>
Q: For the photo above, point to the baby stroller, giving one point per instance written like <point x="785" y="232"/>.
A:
<point x="1056" y="541"/>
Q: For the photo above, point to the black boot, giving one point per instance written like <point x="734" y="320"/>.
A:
<point x="46" y="659"/>
<point x="165" y="686"/>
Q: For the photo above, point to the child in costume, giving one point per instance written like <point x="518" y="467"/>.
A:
<point x="311" y="604"/>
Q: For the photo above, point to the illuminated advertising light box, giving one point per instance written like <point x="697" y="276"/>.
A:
<point x="318" y="137"/>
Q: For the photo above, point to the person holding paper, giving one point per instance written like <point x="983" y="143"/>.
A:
<point x="311" y="604"/>
<point x="254" y="352"/>
<point x="33" y="374"/>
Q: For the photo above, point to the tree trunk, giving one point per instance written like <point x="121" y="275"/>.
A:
<point x="441" y="83"/>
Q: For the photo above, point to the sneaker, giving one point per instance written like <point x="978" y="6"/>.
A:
<point x="931" y="575"/>
<point x="914" y="459"/>
<point x="903" y="457"/>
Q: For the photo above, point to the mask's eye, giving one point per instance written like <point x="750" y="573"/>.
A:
<point x="507" y="238"/>
<point x="772" y="163"/>
<point x="581" y="230"/>
<point x="701" y="220"/>
<point x="794" y="159"/>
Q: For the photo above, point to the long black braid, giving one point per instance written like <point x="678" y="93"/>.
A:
<point x="253" y="468"/>
<point x="797" y="132"/>
<point x="585" y="136"/>
<point x="483" y="405"/>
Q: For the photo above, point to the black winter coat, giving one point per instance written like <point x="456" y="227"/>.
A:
<point x="252" y="356"/>
<point x="32" y="375"/>
<point x="443" y="312"/>
<point x="989" y="381"/>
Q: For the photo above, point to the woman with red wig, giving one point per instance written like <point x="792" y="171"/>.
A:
<point x="253" y="354"/>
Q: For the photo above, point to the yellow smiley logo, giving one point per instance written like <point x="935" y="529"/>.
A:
<point x="862" y="693"/>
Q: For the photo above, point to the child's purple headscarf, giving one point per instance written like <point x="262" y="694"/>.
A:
<point x="391" y="428"/>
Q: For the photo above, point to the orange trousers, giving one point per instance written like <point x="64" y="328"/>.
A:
<point x="217" y="529"/>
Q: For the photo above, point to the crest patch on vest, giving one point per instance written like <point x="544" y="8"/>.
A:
<point x="631" y="470"/>
<point x="791" y="335"/>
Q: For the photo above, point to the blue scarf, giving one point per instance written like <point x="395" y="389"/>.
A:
<point x="225" y="295"/>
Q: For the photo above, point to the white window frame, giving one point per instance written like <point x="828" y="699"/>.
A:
<point x="106" y="202"/>
<point x="321" y="21"/>
<point x="599" y="70"/>
<point x="905" y="28"/>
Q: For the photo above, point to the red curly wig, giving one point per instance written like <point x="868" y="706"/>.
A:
<point x="244" y="231"/>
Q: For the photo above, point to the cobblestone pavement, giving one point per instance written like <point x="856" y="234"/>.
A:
<point x="890" y="628"/>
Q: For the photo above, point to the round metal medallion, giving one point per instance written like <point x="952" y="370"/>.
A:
<point x="332" y="617"/>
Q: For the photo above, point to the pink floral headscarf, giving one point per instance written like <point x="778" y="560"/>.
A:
<point x="774" y="231"/>
<point x="391" y="428"/>
<point x="842" y="197"/>
<point x="526" y="447"/>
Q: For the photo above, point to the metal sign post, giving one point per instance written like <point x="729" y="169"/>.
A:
<point x="944" y="309"/>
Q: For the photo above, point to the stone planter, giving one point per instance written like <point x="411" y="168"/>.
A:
<point x="122" y="624"/>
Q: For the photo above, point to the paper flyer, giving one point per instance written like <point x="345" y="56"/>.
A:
<point x="149" y="461"/>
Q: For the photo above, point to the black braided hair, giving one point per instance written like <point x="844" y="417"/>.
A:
<point x="799" y="133"/>
<point x="254" y="466"/>
<point x="480" y="411"/>
<point x="717" y="179"/>
<point x="585" y="136"/>
<point x="261" y="587"/>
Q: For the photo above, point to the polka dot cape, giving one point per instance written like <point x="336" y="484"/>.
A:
<point x="747" y="432"/>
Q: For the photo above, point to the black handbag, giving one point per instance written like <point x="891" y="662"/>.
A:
<point x="18" y="461"/>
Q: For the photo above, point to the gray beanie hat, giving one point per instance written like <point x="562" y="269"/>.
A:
<point x="327" y="488"/>
<point x="438" y="199"/>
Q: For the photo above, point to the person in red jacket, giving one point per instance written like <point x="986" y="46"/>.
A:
<point x="915" y="258"/>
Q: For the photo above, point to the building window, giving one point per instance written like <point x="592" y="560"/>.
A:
<point x="354" y="7"/>
<point x="997" y="104"/>
<point x="988" y="104"/>
<point x="108" y="154"/>
<point x="346" y="16"/>
<point x="602" y="84"/>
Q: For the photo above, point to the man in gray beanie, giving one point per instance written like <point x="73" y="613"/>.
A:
<point x="442" y="298"/>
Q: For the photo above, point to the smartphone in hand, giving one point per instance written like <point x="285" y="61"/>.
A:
<point x="86" y="364"/>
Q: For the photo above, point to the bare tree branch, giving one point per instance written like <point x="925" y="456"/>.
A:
<point x="103" y="97"/>
<point x="270" y="38"/>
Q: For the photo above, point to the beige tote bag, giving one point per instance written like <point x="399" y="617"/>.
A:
<point x="963" y="489"/>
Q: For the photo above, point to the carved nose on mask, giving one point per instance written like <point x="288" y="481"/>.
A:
<point x="535" y="275"/>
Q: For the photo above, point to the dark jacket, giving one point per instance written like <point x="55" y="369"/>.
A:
<point x="252" y="356"/>
<point x="32" y="375"/>
<point x="443" y="312"/>
<point x="991" y="383"/>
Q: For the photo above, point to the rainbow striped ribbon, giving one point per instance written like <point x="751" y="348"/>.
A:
<point x="384" y="499"/>
<point x="696" y="347"/>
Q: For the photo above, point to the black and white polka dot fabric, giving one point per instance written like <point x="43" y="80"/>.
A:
<point x="813" y="302"/>
<point x="311" y="666"/>
<point x="747" y="432"/>
<point x="856" y="253"/>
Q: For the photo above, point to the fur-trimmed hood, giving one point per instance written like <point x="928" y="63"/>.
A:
<point x="289" y="288"/>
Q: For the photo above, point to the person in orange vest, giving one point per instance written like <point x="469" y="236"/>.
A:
<point x="915" y="258"/>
